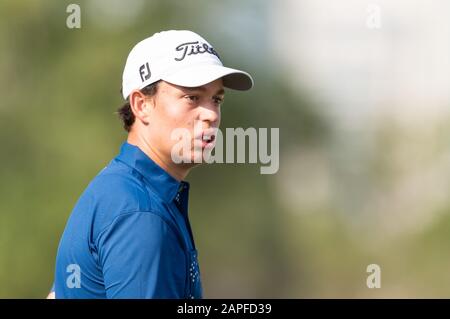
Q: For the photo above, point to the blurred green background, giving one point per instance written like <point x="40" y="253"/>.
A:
<point x="360" y="94"/>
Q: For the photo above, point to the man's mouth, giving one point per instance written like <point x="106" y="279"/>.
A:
<point x="208" y="140"/>
<point x="208" y="137"/>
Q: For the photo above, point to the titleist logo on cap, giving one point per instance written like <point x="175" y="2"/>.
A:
<point x="195" y="48"/>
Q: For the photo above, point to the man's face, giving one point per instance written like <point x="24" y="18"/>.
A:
<point x="190" y="110"/>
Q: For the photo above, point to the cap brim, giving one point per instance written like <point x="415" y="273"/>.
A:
<point x="203" y="74"/>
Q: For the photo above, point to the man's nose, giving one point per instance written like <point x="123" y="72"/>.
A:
<point x="210" y="113"/>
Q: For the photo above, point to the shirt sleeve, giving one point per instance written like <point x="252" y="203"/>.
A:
<point x="140" y="257"/>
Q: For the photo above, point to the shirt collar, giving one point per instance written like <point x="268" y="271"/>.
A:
<point x="157" y="178"/>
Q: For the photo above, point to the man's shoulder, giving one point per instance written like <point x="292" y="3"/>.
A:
<point x="119" y="175"/>
<point x="120" y="186"/>
<point x="116" y="189"/>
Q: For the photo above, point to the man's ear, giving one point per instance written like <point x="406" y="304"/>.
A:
<point x="141" y="106"/>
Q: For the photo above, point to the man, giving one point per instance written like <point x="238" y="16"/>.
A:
<point x="129" y="234"/>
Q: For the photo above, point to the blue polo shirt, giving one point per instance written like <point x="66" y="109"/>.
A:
<point x="129" y="236"/>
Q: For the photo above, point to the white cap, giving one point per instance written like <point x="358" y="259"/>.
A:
<point x="179" y="57"/>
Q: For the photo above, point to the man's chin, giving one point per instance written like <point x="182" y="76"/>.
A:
<point x="193" y="164"/>
<point x="197" y="158"/>
<point x="189" y="163"/>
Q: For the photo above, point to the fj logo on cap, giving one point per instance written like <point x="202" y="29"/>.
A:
<point x="194" y="49"/>
<point x="144" y="71"/>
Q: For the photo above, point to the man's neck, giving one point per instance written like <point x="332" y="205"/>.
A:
<point x="176" y="171"/>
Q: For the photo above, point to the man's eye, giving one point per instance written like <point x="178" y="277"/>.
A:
<point x="218" y="100"/>
<point x="192" y="98"/>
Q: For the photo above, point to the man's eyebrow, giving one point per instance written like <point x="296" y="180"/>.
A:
<point x="220" y="92"/>
<point x="202" y="88"/>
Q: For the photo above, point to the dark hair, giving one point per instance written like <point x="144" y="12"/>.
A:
<point x="126" y="114"/>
